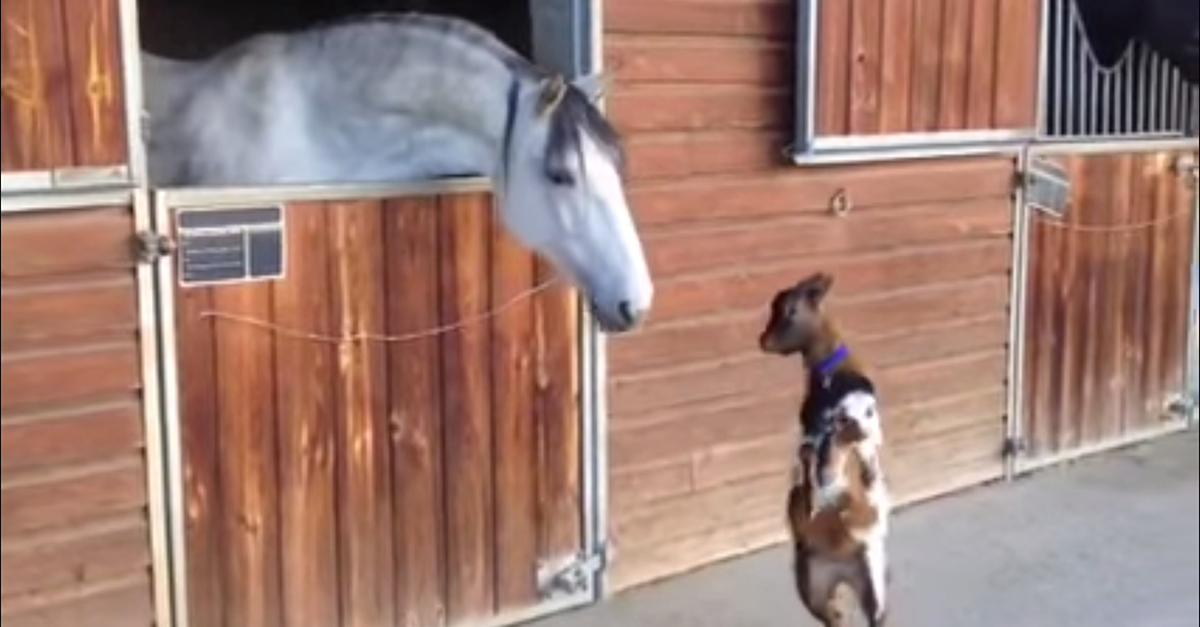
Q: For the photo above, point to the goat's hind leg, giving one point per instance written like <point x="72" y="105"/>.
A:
<point x="874" y="597"/>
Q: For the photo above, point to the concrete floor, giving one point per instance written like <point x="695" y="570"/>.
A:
<point x="1113" y="541"/>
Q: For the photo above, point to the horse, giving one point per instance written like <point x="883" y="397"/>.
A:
<point x="1169" y="27"/>
<point x="406" y="97"/>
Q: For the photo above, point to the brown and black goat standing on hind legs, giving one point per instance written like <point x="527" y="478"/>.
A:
<point x="839" y="505"/>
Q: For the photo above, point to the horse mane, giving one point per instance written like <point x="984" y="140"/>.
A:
<point x="573" y="115"/>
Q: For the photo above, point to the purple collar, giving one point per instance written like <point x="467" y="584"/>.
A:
<point x="827" y="365"/>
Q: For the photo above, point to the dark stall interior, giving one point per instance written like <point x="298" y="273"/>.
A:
<point x="198" y="28"/>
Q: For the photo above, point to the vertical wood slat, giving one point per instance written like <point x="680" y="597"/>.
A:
<point x="466" y="353"/>
<point x="866" y="32"/>
<point x="357" y="258"/>
<point x="63" y="98"/>
<point x="896" y="69"/>
<point x="833" y="63"/>
<point x="201" y="434"/>
<point x="307" y="425"/>
<point x="955" y="80"/>
<point x="414" y="256"/>
<point x="556" y="387"/>
<point x="515" y="435"/>
<point x="914" y="66"/>
<point x="97" y="104"/>
<point x="246" y="459"/>
<point x="1107" y="308"/>
<point x="35" y="106"/>
<point x="404" y="497"/>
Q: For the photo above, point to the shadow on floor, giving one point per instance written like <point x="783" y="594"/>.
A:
<point x="1113" y="541"/>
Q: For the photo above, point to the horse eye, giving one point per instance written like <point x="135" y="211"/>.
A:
<point x="561" y="177"/>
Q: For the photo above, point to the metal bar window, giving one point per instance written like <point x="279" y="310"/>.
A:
<point x="1142" y="96"/>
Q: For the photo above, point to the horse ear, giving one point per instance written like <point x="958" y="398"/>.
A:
<point x="593" y="86"/>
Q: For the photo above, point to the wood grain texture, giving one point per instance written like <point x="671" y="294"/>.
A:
<point x="63" y="99"/>
<point x="406" y="471"/>
<point x="1107" y="305"/>
<point x="935" y="60"/>
<point x="76" y="542"/>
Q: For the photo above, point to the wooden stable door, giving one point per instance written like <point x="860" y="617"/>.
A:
<point x="363" y="447"/>
<point x="1107" y="304"/>
<point x="63" y="103"/>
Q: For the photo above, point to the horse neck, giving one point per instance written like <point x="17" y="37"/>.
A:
<point x="441" y="110"/>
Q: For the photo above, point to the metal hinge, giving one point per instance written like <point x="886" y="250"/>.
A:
<point x="1182" y="407"/>
<point x="571" y="574"/>
<point x="1013" y="446"/>
<point x="1188" y="169"/>
<point x="1047" y="186"/>
<point x="150" y="246"/>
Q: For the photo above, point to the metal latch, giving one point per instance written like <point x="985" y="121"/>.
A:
<point x="1187" y="168"/>
<point x="571" y="574"/>
<point x="152" y="246"/>
<point x="1047" y="186"/>
<point x="1013" y="446"/>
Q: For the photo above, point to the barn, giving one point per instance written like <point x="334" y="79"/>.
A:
<point x="1005" y="190"/>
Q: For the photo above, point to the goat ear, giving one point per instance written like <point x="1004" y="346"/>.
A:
<point x="594" y="86"/>
<point x="816" y="287"/>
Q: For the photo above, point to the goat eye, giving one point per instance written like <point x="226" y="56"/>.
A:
<point x="561" y="177"/>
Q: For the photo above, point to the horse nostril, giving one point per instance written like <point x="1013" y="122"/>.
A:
<point x="630" y="315"/>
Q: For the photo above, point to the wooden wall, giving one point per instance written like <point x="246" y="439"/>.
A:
<point x="702" y="425"/>
<point x="1108" y="299"/>
<point x="75" y="539"/>
<point x="376" y="482"/>
<point x="63" y="93"/>
<point x="912" y="66"/>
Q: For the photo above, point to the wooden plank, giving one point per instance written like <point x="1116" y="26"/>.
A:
<point x="718" y="338"/>
<point x="415" y="366"/>
<point x="200" y="419"/>
<point x="697" y="252"/>
<point x="897" y="65"/>
<point x="1016" y="92"/>
<point x="833" y="68"/>
<point x="515" y="437"/>
<point x="683" y="155"/>
<point x="866" y="32"/>
<point x="93" y="43"/>
<point x="72" y="499"/>
<point x="634" y="59"/>
<point x="983" y="57"/>
<point x="246" y="392"/>
<point x="307" y="416"/>
<point x="659" y="108"/>
<point x="751" y="198"/>
<point x="926" y="87"/>
<point x="1116" y="297"/>
<point x="121" y="604"/>
<point x="556" y="387"/>
<point x="466" y="351"/>
<point x="682" y="392"/>
<point x="57" y="314"/>
<point x="35" y="380"/>
<point x="35" y="106"/>
<point x="66" y="242"/>
<point x="87" y="555"/>
<point x="87" y="436"/>
<point x="859" y="270"/>
<point x="638" y="444"/>
<point x="955" y="42"/>
<point x="754" y="18"/>
<point x="364" y="473"/>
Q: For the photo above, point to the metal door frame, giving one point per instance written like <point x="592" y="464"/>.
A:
<point x="1017" y="463"/>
